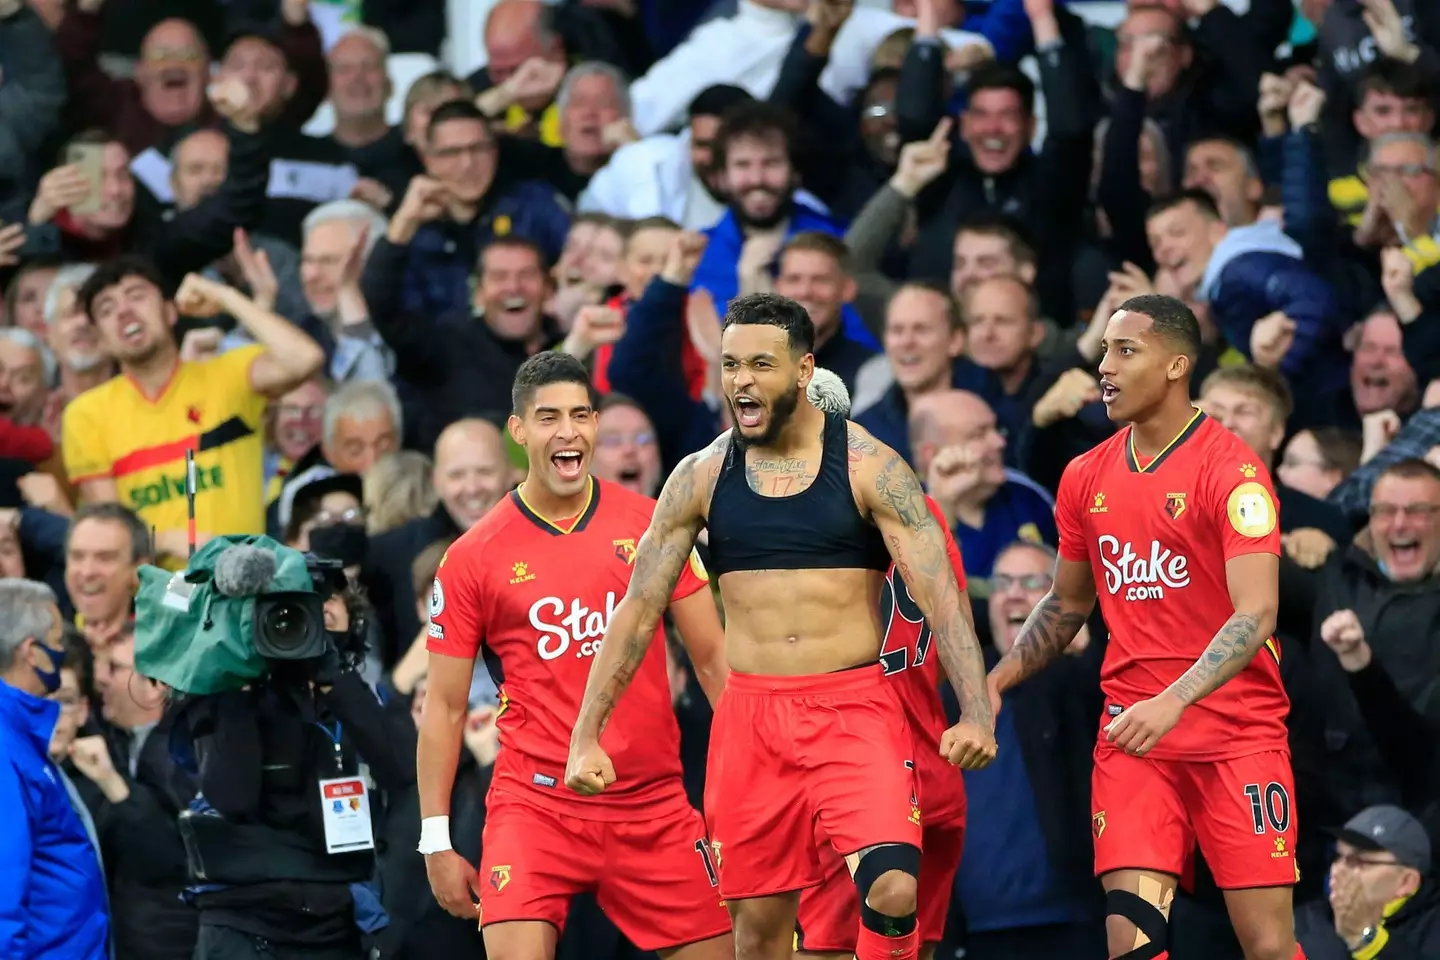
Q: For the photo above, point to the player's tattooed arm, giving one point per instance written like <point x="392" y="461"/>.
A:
<point x="1054" y="622"/>
<point x="917" y="545"/>
<point x="660" y="558"/>
<point x="1254" y="582"/>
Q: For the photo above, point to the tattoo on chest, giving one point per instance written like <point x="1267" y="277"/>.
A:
<point x="779" y="477"/>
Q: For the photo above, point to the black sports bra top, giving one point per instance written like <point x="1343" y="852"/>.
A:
<point x="819" y="528"/>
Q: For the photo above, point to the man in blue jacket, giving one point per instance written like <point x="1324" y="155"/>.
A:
<point x="1246" y="274"/>
<point x="756" y="148"/>
<point x="52" y="893"/>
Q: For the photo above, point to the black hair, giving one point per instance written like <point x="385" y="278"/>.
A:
<point x="759" y="119"/>
<point x="773" y="310"/>
<point x="1396" y="77"/>
<point x="454" y="110"/>
<point x="1003" y="76"/>
<point x="1170" y="318"/>
<point x="79" y="659"/>
<point x="141" y="550"/>
<point x="543" y="369"/>
<point x="112" y="272"/>
<point x="514" y="241"/>
<point x="717" y="100"/>
<point x="1202" y="200"/>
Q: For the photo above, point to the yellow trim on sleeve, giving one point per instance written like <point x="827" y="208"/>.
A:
<point x="1423" y="252"/>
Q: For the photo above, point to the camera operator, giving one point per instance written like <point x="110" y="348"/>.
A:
<point x="281" y="872"/>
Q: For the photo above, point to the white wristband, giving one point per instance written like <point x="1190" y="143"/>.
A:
<point x="434" y="835"/>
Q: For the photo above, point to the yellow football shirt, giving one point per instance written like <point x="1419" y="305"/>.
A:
<point x="209" y="407"/>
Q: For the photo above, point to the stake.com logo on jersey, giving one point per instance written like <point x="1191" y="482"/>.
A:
<point x="582" y="627"/>
<point x="1142" y="577"/>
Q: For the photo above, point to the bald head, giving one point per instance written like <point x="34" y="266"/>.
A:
<point x="170" y="37"/>
<point x="471" y="472"/>
<point x="198" y="167"/>
<point x="943" y="417"/>
<point x="963" y="421"/>
<point x="516" y="31"/>
<point x="172" y="72"/>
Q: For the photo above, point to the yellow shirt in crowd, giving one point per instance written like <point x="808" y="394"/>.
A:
<point x="209" y="407"/>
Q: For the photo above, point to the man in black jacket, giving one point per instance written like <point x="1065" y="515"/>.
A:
<point x="1383" y="901"/>
<point x="997" y="172"/>
<point x="471" y="475"/>
<point x="462" y="363"/>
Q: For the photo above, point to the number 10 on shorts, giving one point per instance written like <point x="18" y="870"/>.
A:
<point x="1269" y="806"/>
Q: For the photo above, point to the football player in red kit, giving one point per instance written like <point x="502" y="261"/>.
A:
<point x="829" y="916"/>
<point x="1175" y="518"/>
<point x="531" y="588"/>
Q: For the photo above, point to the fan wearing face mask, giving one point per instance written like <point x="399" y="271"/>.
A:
<point x="52" y="891"/>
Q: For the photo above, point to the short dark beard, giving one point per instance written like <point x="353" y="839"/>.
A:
<point x="747" y="222"/>
<point x="781" y="413"/>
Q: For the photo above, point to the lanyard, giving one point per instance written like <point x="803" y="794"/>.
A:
<point x="334" y="736"/>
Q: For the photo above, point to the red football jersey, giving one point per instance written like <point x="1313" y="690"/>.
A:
<point x="1158" y="537"/>
<point x="909" y="659"/>
<point x="534" y="598"/>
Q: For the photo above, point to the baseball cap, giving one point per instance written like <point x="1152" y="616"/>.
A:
<point x="257" y="29"/>
<point x="1392" y="830"/>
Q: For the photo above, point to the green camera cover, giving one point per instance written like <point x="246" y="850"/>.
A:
<point x="196" y="639"/>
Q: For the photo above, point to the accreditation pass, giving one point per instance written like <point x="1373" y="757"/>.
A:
<point x="345" y="803"/>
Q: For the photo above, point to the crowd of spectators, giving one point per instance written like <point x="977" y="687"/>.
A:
<point x="329" y="316"/>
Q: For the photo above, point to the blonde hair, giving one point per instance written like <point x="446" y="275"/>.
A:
<point x="398" y="489"/>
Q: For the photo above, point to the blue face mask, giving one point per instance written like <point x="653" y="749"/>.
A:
<point x="50" y="679"/>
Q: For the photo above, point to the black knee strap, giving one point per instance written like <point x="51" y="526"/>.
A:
<point x="1147" y="919"/>
<point x="881" y="860"/>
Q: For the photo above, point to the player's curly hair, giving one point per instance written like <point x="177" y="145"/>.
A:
<point x="774" y="310"/>
<point x="543" y="369"/>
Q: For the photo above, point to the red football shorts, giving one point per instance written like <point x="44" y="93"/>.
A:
<point x="1151" y="814"/>
<point x="788" y="753"/>
<point x="830" y="913"/>
<point x="653" y="878"/>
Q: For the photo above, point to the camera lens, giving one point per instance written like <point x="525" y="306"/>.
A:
<point x="287" y="625"/>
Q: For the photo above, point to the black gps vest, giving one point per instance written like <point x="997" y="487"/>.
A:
<point x="818" y="528"/>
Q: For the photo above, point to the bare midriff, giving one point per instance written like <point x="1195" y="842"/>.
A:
<point x="787" y="623"/>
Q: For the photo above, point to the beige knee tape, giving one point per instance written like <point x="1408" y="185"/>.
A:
<point x="1152" y="891"/>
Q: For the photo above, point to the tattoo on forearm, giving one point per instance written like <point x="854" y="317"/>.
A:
<point x="660" y="558"/>
<point x="1046" y="633"/>
<point x="1227" y="654"/>
<point x="924" y="562"/>
<point x="900" y="490"/>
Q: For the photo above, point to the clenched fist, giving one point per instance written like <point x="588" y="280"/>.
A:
<point x="1271" y="338"/>
<point x="1343" y="634"/>
<point x="968" y="746"/>
<point x="201" y="297"/>
<point x="589" y="770"/>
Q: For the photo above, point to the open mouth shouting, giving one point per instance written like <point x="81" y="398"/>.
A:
<point x="749" y="412"/>
<point x="132" y="334"/>
<point x="1405" y="551"/>
<point x="1108" y="391"/>
<point x="569" y="464"/>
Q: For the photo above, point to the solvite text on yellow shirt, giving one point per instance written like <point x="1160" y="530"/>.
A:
<point x="209" y="407"/>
